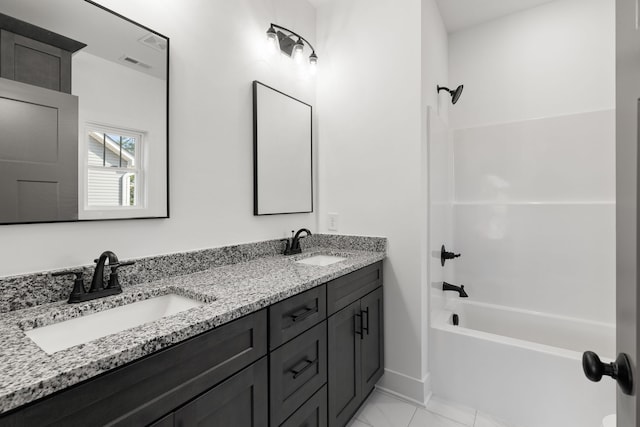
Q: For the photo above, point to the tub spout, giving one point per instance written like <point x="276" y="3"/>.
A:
<point x="459" y="289"/>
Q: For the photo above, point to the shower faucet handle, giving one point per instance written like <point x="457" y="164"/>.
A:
<point x="444" y="255"/>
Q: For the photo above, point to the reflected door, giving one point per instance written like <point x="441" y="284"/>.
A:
<point x="38" y="154"/>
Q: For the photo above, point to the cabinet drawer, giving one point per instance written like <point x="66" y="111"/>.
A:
<point x="291" y="317"/>
<point x="141" y="392"/>
<point x="240" y="401"/>
<point x="166" y="421"/>
<point x="312" y="414"/>
<point x="346" y="289"/>
<point x="298" y="369"/>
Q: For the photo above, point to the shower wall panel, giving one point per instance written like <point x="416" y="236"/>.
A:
<point x="534" y="214"/>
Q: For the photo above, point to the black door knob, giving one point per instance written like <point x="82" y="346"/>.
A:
<point x="620" y="370"/>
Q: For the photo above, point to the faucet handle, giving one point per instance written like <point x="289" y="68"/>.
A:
<point x="116" y="265"/>
<point x="287" y="247"/>
<point x="78" y="273"/>
<point x="78" y="284"/>
<point x="114" y="283"/>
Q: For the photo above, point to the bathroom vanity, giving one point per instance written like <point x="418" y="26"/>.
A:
<point x="276" y="343"/>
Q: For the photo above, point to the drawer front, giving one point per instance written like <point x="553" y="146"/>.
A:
<point x="291" y="317"/>
<point x="346" y="289"/>
<point x="240" y="401"/>
<point x="149" y="388"/>
<point x="167" y="421"/>
<point x="298" y="369"/>
<point x="312" y="414"/>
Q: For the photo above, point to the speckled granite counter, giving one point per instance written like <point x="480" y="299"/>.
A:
<point x="27" y="373"/>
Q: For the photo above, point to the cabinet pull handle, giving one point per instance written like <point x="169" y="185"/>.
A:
<point x="303" y="313"/>
<point x="355" y="327"/>
<point x="308" y="363"/>
<point x="366" y="328"/>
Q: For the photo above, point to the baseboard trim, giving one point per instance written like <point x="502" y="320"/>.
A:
<point x="414" y="391"/>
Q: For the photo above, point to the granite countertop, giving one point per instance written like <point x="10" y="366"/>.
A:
<point x="27" y="373"/>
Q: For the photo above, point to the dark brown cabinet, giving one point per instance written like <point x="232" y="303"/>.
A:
<point x="312" y="414"/>
<point x="372" y="342"/>
<point x="240" y="401"/>
<point x="298" y="370"/>
<point x="317" y="374"/>
<point x="146" y="390"/>
<point x="345" y="376"/>
<point x="355" y="346"/>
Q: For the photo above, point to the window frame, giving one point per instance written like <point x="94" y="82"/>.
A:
<point x="139" y="170"/>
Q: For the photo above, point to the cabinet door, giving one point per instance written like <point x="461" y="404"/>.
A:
<point x="345" y="383"/>
<point x="373" y="340"/>
<point x="33" y="62"/>
<point x="240" y="401"/>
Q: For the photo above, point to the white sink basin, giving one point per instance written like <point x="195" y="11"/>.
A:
<point x="321" y="260"/>
<point x="83" y="329"/>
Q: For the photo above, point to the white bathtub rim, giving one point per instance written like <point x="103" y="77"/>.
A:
<point x="441" y="322"/>
<point x="452" y="304"/>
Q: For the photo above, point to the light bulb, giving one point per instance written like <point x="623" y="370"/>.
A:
<point x="313" y="63"/>
<point x="297" y="51"/>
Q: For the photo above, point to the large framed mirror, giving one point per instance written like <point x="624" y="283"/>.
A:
<point x="283" y="171"/>
<point x="83" y="114"/>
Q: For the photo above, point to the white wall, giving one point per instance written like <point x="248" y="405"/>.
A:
<point x="535" y="214"/>
<point x="373" y="153"/>
<point x="554" y="59"/>
<point x="534" y="159"/>
<point x="217" y="50"/>
<point x="436" y="171"/>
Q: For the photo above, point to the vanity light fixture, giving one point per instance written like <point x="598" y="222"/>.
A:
<point x="285" y="39"/>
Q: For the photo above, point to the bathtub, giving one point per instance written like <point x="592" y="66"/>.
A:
<point x="522" y="366"/>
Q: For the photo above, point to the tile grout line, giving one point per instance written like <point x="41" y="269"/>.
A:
<point x="454" y="420"/>
<point x="415" y="411"/>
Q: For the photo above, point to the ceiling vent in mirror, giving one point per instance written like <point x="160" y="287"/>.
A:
<point x="154" y="42"/>
<point x="132" y="61"/>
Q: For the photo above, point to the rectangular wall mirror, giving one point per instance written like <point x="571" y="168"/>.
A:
<point x="83" y="114"/>
<point x="283" y="176"/>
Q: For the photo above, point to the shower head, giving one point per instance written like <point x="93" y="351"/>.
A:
<point x="455" y="94"/>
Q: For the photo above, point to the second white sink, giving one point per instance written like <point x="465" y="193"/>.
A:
<point x="84" y="329"/>
<point x="321" y="260"/>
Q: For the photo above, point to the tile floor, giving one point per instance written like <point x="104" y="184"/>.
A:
<point x="384" y="410"/>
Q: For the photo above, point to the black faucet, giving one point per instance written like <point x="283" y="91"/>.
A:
<point x="97" y="289"/>
<point x="292" y="246"/>
<point x="97" y="283"/>
<point x="459" y="289"/>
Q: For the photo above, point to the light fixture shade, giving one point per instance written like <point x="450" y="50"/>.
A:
<point x="272" y="40"/>
<point x="271" y="34"/>
<point x="313" y="63"/>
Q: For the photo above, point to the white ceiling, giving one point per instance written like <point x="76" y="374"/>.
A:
<point x="459" y="14"/>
